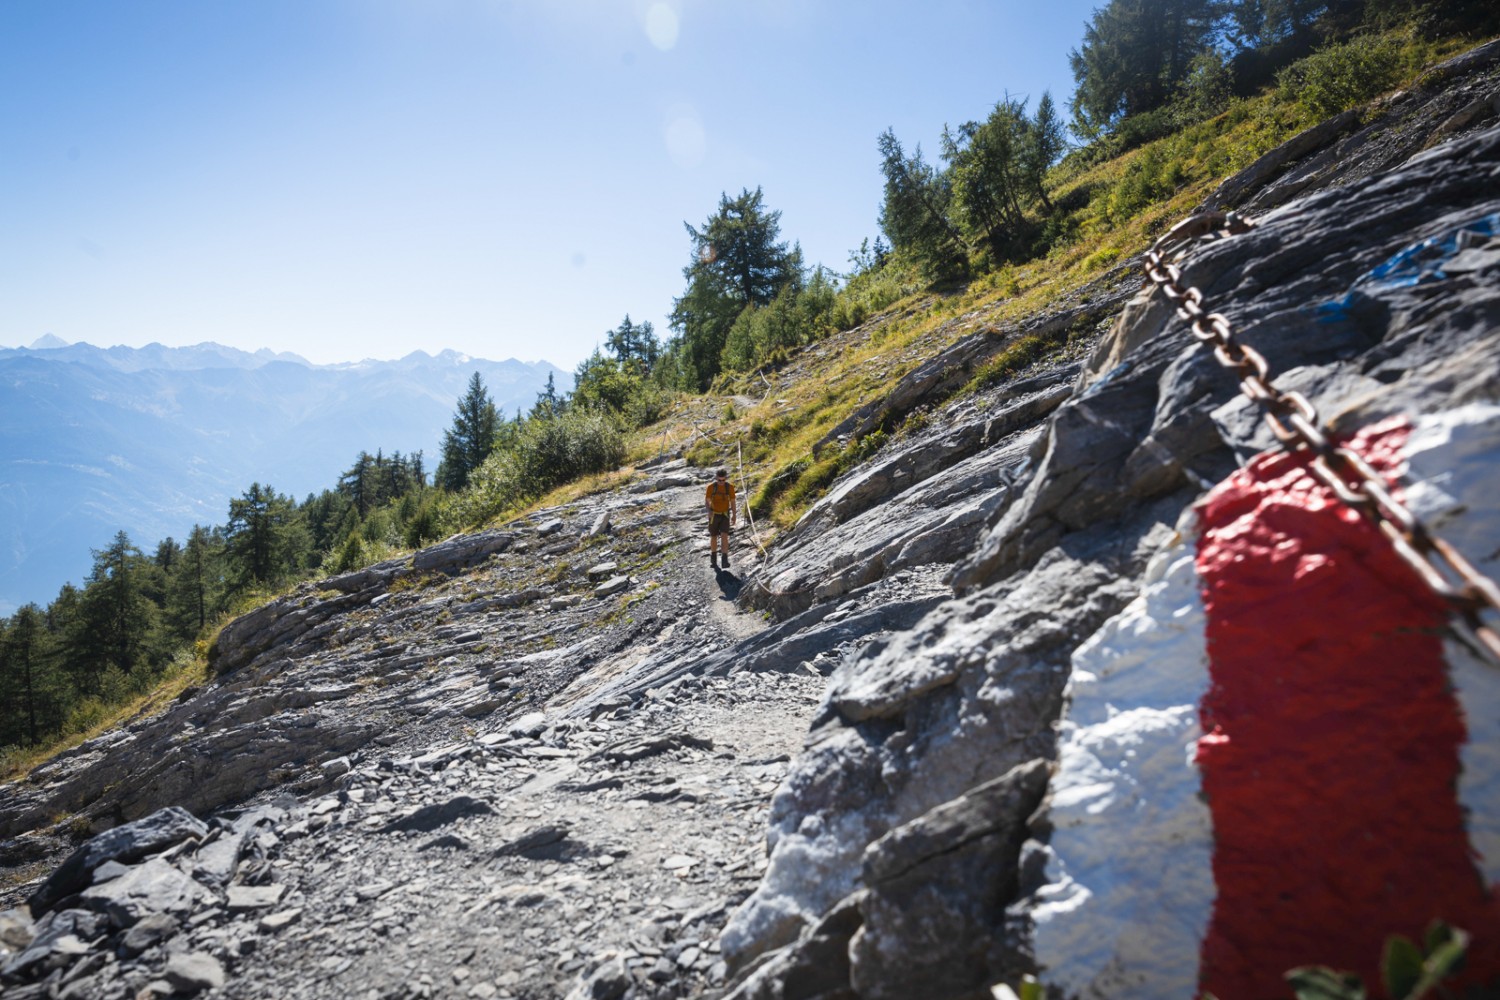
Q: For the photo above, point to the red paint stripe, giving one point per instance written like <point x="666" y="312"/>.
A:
<point x="1332" y="746"/>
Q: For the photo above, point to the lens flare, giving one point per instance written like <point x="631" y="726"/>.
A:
<point x="661" y="26"/>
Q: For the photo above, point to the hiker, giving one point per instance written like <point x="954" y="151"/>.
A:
<point x="719" y="499"/>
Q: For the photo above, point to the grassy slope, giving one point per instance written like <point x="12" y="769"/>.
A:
<point x="1118" y="207"/>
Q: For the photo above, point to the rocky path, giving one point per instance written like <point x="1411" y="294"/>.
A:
<point x="721" y="586"/>
<point x="509" y="867"/>
<point x="516" y="782"/>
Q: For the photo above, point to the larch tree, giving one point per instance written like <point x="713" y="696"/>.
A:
<point x="262" y="537"/>
<point x="116" y="617"/>
<point x="914" y="213"/>
<point x="738" y="262"/>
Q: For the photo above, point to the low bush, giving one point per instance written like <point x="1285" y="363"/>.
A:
<point x="1343" y="76"/>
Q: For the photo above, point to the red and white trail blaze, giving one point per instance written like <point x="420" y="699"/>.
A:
<point x="1272" y="758"/>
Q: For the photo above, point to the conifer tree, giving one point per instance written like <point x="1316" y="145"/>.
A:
<point x="633" y="345"/>
<point x="548" y="401"/>
<point x="31" y="691"/>
<point x="737" y="263"/>
<point x="262" y="537"/>
<point x="1134" y="55"/>
<point x="116" y="618"/>
<point x="914" y="214"/>
<point x="194" y="593"/>
<point x="471" y="438"/>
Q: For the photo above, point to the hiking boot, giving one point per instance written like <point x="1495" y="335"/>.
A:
<point x="725" y="559"/>
<point x="713" y="559"/>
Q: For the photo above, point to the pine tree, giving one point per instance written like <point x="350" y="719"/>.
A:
<point x="263" y="537"/>
<point x="116" y="618"/>
<point x="471" y="438"/>
<point x="737" y="263"/>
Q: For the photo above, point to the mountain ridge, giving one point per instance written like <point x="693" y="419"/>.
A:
<point x="211" y="354"/>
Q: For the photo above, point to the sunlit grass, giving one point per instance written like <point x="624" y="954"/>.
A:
<point x="93" y="717"/>
<point x="1120" y="206"/>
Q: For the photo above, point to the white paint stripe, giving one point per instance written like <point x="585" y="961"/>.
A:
<point x="1130" y="878"/>
<point x="1453" y="486"/>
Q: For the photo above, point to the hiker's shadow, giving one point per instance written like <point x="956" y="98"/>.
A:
<point x="729" y="584"/>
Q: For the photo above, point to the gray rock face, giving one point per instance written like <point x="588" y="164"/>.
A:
<point x="152" y="887"/>
<point x="816" y="966"/>
<point x="462" y="551"/>
<point x="124" y="844"/>
<point x="918" y="721"/>
<point x="971" y="690"/>
<point x="915" y="504"/>
<point x="933" y="916"/>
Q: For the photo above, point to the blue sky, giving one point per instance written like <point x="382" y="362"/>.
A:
<point x="508" y="178"/>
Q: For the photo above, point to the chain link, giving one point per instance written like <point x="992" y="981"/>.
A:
<point x="1294" y="421"/>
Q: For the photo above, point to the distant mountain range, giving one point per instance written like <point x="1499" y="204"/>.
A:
<point x="153" y="440"/>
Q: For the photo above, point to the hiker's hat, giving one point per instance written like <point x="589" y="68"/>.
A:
<point x="720" y="474"/>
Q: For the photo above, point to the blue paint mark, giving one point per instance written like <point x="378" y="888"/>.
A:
<point x="1418" y="264"/>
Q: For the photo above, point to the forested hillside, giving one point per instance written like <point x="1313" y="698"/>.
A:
<point x="153" y="440"/>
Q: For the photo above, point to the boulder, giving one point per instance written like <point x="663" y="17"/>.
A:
<point x="124" y="844"/>
<point x="154" y="886"/>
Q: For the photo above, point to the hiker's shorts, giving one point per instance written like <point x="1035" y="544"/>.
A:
<point x="718" y="524"/>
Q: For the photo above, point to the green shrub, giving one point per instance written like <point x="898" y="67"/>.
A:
<point x="546" y="451"/>
<point x="1343" y="76"/>
<point x="874" y="290"/>
<point x="351" y="555"/>
<point x="798" y="315"/>
<point x="1207" y="88"/>
<point x="807" y="479"/>
<point x="702" y="454"/>
<point x="779" y="482"/>
<point x="1409" y="970"/>
<point x="1101" y="258"/>
<point x="425" y="524"/>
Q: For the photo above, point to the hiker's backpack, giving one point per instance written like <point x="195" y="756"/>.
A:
<point x="720" y="500"/>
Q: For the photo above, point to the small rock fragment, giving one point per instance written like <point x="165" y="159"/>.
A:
<point x="193" y="971"/>
<point x="276" y="921"/>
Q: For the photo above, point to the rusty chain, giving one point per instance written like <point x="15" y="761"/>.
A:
<point x="1294" y="421"/>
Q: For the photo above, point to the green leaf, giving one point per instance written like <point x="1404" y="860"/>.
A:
<point x="1031" y="989"/>
<point x="1438" y="934"/>
<point x="1400" y="967"/>
<point x="1446" y="950"/>
<point x="1316" y="982"/>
